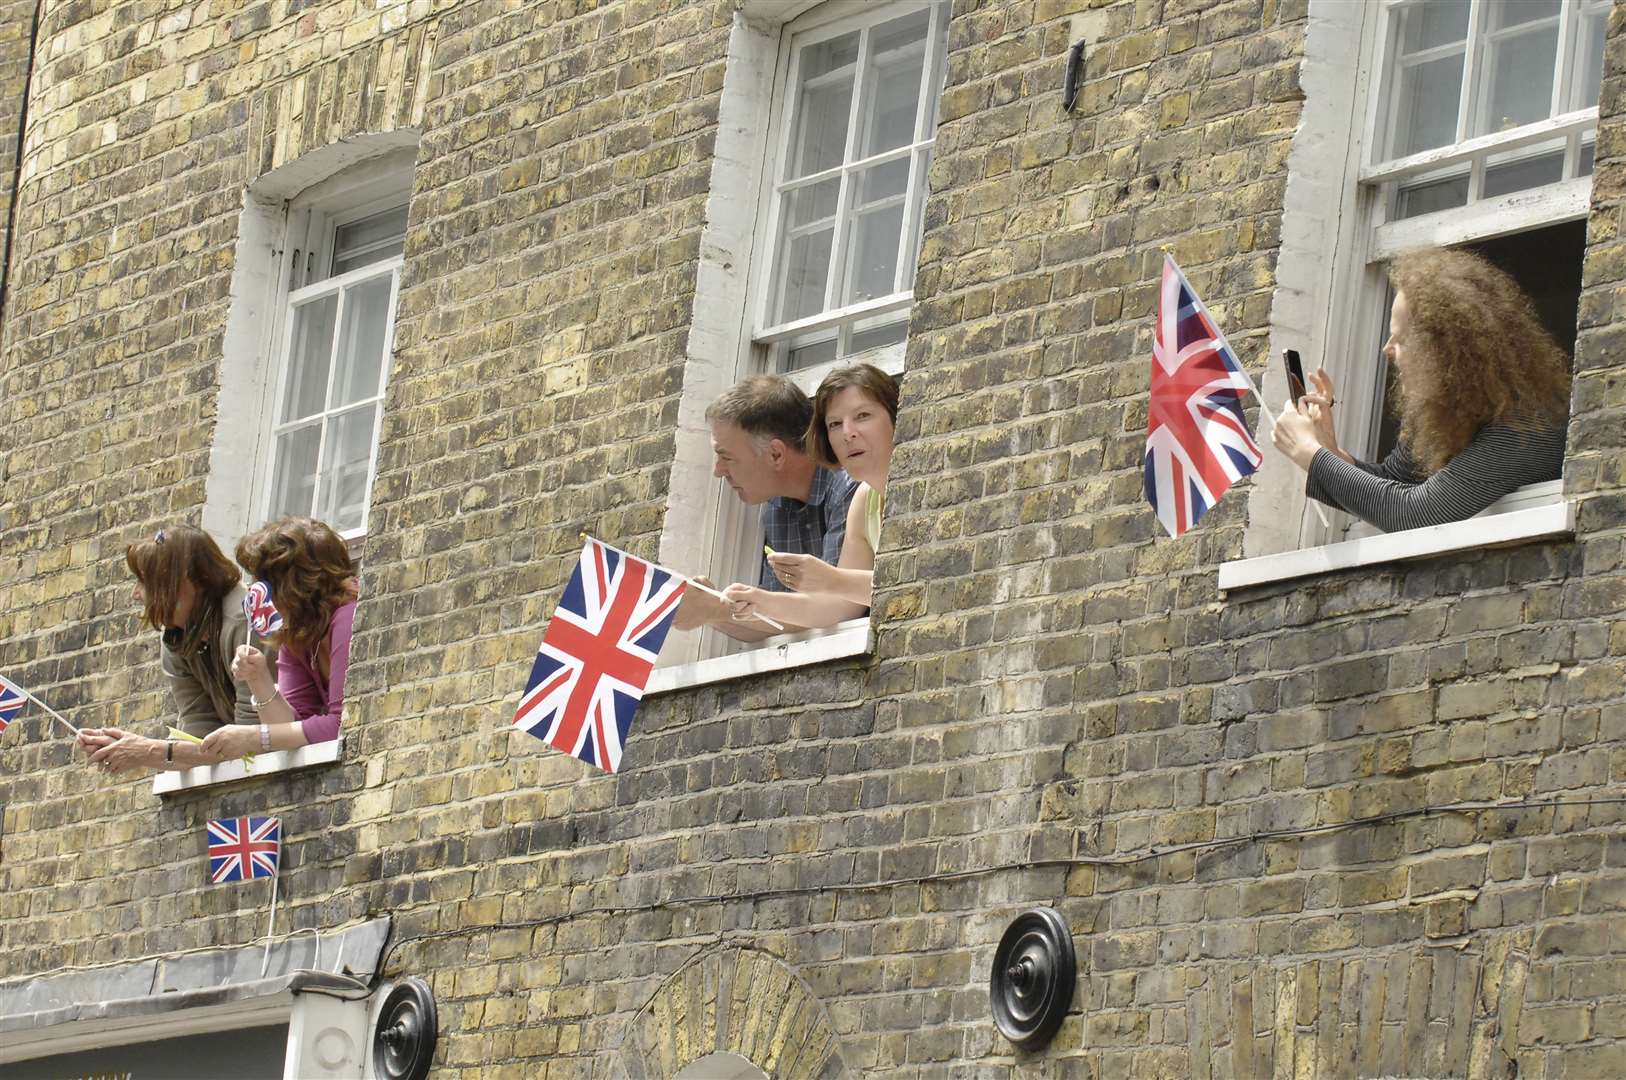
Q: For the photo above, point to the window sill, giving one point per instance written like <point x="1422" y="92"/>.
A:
<point x="322" y="753"/>
<point x="851" y="638"/>
<point x="1537" y="522"/>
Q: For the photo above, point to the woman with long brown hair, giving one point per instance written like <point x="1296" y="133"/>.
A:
<point x="192" y="593"/>
<point x="1484" y="392"/>
<point x="312" y="583"/>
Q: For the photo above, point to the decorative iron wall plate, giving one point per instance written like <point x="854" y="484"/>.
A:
<point x="1032" y="981"/>
<point x="404" y="1039"/>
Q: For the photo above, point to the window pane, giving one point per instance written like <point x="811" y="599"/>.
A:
<point x="344" y="475"/>
<point x="807" y="227"/>
<point x="1433" y="23"/>
<point x="1520" y="76"/>
<point x="1518" y="12"/>
<point x="294" y="477"/>
<point x="818" y="352"/>
<point x="372" y="239"/>
<point x="1426" y="106"/>
<point x="1431" y="195"/>
<point x="309" y="358"/>
<point x="897" y="52"/>
<point x="1524" y="168"/>
<point x="1583" y="166"/>
<point x="886" y="334"/>
<point x="1588" y="75"/>
<point x="877" y="226"/>
<point x="823" y="102"/>
<point x="361" y="341"/>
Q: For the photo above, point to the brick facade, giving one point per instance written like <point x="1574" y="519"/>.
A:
<point x="1057" y="693"/>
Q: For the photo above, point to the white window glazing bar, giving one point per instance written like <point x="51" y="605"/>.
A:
<point x="1468" y="97"/>
<point x="1441" y="157"/>
<point x="836" y="282"/>
<point x="829" y="319"/>
<point x="925" y="110"/>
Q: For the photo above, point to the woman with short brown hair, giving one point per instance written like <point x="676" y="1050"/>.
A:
<point x="312" y="582"/>
<point x="1484" y="391"/>
<point x="190" y="592"/>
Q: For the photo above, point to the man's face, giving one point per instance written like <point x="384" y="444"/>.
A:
<point x="742" y="463"/>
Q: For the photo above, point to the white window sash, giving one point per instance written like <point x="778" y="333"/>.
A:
<point x="292" y="302"/>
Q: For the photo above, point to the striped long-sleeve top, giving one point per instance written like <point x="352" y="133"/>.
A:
<point x="1396" y="494"/>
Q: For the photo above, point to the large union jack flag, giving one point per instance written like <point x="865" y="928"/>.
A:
<point x="244" y="847"/>
<point x="597" y="654"/>
<point x="1197" y="438"/>
<point x="12" y="700"/>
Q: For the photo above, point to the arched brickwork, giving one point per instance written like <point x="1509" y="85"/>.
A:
<point x="737" y="1001"/>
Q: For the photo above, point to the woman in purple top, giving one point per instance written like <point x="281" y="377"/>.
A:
<point x="313" y="586"/>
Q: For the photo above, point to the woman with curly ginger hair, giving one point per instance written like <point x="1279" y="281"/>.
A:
<point x="313" y="586"/>
<point x="1484" y="393"/>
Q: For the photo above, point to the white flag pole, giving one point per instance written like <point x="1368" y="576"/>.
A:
<point x="265" y="962"/>
<point x="62" y="719"/>
<point x="692" y="584"/>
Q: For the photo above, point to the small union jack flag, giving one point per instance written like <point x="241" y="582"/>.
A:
<point x="244" y="847"/>
<point x="597" y="654"/>
<point x="1197" y="438"/>
<point x="12" y="700"/>
<point x="263" y="616"/>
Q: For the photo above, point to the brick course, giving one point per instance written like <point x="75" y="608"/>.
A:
<point x="1055" y="688"/>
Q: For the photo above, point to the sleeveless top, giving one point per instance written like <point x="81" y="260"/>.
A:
<point x="872" y="517"/>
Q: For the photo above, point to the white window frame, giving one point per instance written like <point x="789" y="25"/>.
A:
<point x="171" y="781"/>
<point x="723" y="348"/>
<point x="313" y="221"/>
<point x="822" y="23"/>
<point x="285" y="232"/>
<point x="1332" y="308"/>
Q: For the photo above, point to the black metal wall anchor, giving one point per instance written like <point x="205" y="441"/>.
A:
<point x="1031" y="984"/>
<point x="404" y="1038"/>
<point x="1069" y="90"/>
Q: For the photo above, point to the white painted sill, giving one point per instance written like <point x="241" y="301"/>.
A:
<point x="1534" y="523"/>
<point x="322" y="753"/>
<point x="851" y="638"/>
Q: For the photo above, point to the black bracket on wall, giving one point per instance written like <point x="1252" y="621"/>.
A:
<point x="1031" y="985"/>
<point x="404" y="1037"/>
<point x="1069" y="90"/>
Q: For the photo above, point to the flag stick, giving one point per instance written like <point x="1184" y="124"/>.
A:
<point x="48" y="709"/>
<point x="271" y="925"/>
<point x="703" y="588"/>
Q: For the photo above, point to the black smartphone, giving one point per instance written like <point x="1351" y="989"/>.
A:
<point x="1295" y="374"/>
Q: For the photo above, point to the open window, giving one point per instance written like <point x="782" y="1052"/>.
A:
<point x="1467" y="123"/>
<point x="813" y="231"/>
<point x="309" y="339"/>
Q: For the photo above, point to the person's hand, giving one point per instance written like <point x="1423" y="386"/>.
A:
<point x="742" y="600"/>
<point x="1295" y="435"/>
<point x="1318" y="403"/>
<point x="249" y="666"/>
<point x="231" y="741"/>
<point x="804" y="573"/>
<point x="697" y="608"/>
<point x="116" y="751"/>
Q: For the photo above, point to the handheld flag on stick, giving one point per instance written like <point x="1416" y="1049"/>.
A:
<point x="597" y="653"/>
<point x="1197" y="438"/>
<point x="263" y="616"/>
<point x="14" y="697"/>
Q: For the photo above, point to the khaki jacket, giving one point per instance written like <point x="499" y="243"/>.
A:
<point x="205" y="693"/>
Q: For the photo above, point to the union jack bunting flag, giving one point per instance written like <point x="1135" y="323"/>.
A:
<point x="1197" y="438"/>
<point x="263" y="616"/>
<point x="597" y="654"/>
<point x="244" y="847"/>
<point x="12" y="700"/>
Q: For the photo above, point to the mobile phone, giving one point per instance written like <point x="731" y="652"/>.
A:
<point x="1295" y="374"/>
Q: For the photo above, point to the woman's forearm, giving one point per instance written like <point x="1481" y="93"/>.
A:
<point x="854" y="586"/>
<point x="808" y="609"/>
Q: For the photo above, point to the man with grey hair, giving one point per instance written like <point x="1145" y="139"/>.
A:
<point x="758" y="428"/>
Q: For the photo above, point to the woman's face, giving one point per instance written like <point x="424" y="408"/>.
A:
<point x="1399" y="323"/>
<point x="860" y="432"/>
<point x="186" y="598"/>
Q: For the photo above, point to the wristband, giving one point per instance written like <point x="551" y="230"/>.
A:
<point x="169" y="751"/>
<point x="265" y="737"/>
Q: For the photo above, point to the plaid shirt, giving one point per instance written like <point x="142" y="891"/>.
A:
<point x="816" y="527"/>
